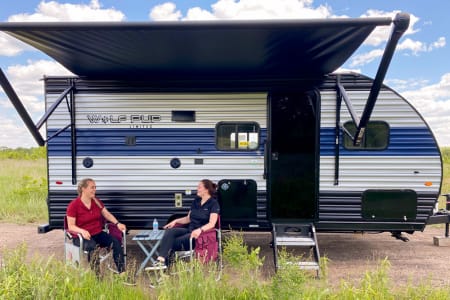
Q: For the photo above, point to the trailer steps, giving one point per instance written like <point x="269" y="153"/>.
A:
<point x="297" y="235"/>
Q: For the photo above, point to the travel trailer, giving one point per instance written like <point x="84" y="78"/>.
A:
<point x="255" y="106"/>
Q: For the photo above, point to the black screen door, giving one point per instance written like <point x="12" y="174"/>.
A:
<point x="292" y="155"/>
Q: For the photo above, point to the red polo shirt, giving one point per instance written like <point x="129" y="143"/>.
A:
<point x="88" y="219"/>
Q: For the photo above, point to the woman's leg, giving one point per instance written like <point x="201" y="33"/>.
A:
<point x="106" y="240"/>
<point x="88" y="245"/>
<point x="181" y="243"/>
<point x="169" y="239"/>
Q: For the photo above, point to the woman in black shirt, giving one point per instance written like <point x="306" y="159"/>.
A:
<point x="202" y="216"/>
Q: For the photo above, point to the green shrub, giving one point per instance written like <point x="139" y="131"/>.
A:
<point x="24" y="153"/>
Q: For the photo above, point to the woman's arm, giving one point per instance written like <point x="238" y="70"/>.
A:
<point x="110" y="217"/>
<point x="73" y="227"/>
<point x="213" y="217"/>
<point x="183" y="220"/>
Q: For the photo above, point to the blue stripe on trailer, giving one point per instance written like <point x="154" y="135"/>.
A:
<point x="406" y="141"/>
<point x="149" y="142"/>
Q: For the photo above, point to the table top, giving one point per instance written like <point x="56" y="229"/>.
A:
<point x="148" y="235"/>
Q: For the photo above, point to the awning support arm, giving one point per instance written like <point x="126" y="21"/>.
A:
<point x="337" y="131"/>
<point x="9" y="91"/>
<point x="343" y="95"/>
<point x="54" y="106"/>
<point x="401" y="23"/>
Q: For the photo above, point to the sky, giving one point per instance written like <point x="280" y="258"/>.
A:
<point x="419" y="71"/>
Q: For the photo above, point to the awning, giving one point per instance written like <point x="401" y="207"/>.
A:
<point x="275" y="49"/>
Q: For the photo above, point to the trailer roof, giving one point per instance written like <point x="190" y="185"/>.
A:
<point x="274" y="49"/>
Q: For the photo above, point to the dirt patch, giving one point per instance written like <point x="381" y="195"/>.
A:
<point x="350" y="255"/>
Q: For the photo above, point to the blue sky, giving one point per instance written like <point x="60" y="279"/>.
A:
<point x="420" y="69"/>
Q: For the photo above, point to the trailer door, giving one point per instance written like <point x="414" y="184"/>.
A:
<point x="291" y="156"/>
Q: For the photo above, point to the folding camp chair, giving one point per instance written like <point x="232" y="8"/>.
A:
<point x="204" y="252"/>
<point x="77" y="256"/>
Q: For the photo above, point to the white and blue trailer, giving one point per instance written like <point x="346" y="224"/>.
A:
<point x="252" y="105"/>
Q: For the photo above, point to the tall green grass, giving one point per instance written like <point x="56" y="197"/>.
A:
<point x="51" y="279"/>
<point x="23" y="186"/>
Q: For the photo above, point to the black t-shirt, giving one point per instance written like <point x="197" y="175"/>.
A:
<point x="200" y="214"/>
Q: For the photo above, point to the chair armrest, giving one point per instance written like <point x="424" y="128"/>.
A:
<point x="73" y="234"/>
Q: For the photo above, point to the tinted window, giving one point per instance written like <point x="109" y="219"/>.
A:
<point x="237" y="136"/>
<point x="376" y="136"/>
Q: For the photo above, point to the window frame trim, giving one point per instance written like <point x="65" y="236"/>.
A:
<point x="367" y="149"/>
<point x="237" y="123"/>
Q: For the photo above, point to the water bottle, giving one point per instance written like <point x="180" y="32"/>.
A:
<point x="155" y="225"/>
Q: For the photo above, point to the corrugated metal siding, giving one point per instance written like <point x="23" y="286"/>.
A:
<point x="411" y="159"/>
<point x="380" y="172"/>
<point x="155" y="173"/>
<point x="138" y="208"/>
<point x="209" y="109"/>
<point x="389" y="108"/>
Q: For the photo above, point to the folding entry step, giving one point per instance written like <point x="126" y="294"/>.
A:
<point x="297" y="235"/>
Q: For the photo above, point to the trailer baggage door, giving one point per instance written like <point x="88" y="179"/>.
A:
<point x="291" y="156"/>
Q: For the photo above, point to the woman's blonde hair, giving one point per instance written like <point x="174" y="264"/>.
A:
<point x="83" y="184"/>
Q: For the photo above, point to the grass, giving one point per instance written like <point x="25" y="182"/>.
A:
<point x="52" y="279"/>
<point x="23" y="186"/>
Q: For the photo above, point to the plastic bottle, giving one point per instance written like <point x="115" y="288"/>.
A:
<point x="155" y="225"/>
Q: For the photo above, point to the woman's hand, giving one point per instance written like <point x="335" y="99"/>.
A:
<point x="170" y="225"/>
<point x="85" y="234"/>
<point x="196" y="233"/>
<point x="122" y="227"/>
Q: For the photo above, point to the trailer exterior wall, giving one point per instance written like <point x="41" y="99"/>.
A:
<point x="138" y="182"/>
<point x="410" y="162"/>
<point x="141" y="176"/>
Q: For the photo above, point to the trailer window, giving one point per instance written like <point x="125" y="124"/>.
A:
<point x="237" y="136"/>
<point x="376" y="136"/>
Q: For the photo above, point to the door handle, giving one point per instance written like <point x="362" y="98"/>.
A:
<point x="275" y="156"/>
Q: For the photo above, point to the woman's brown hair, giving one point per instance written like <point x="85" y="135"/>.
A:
<point x="210" y="186"/>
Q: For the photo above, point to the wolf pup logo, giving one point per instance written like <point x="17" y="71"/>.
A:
<point x="133" y="120"/>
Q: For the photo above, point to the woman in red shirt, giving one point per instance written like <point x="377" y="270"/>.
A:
<point x="84" y="216"/>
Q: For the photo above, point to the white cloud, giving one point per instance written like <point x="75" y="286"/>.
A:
<point x="406" y="84"/>
<point x="365" y="58"/>
<point x="269" y="9"/>
<point x="244" y="9"/>
<point x="25" y="80"/>
<point x="416" y="46"/>
<point x="198" y="13"/>
<point x="53" y="11"/>
<point x="11" y="46"/>
<point x="433" y="102"/>
<point x="165" y="12"/>
<point x="381" y="34"/>
<point x="14" y="134"/>
<point x="440" y="43"/>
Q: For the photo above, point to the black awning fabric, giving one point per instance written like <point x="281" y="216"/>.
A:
<point x="274" y="49"/>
